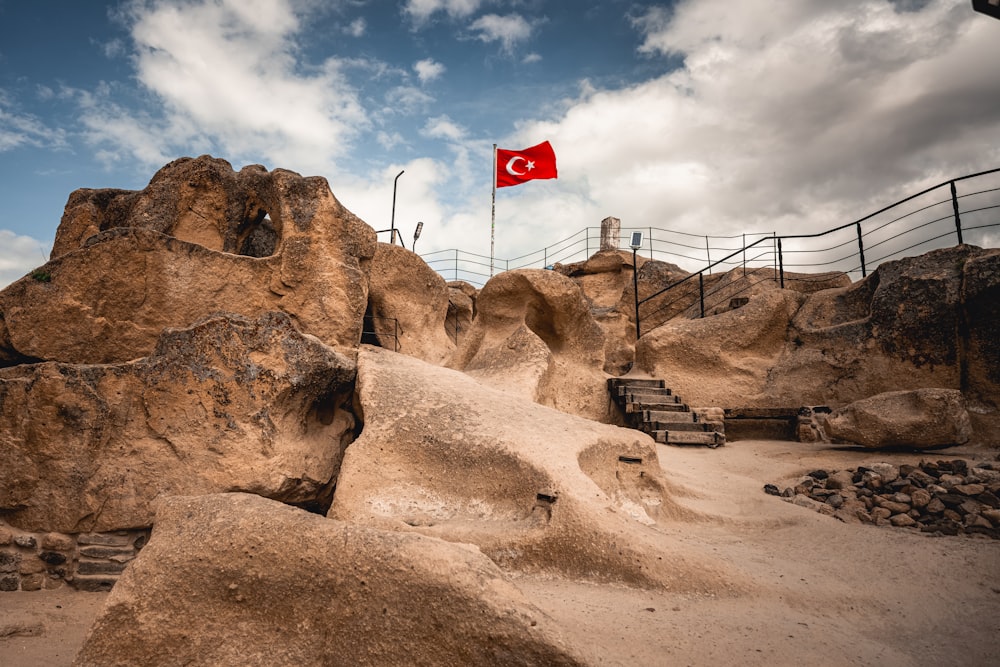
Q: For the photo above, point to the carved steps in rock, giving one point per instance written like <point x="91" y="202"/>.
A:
<point x="650" y="406"/>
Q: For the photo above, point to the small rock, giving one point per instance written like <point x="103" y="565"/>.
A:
<point x="842" y="479"/>
<point x="887" y="471"/>
<point x="950" y="481"/>
<point x="920" y="478"/>
<point x="26" y="541"/>
<point x="920" y="498"/>
<point x="893" y="507"/>
<point x="900" y="497"/>
<point x="880" y="513"/>
<point x="836" y="501"/>
<point x="58" y="542"/>
<point x="969" y="489"/>
<point x="902" y="521"/>
<point x="993" y="516"/>
<point x="872" y="480"/>
<point x="771" y="490"/>
<point x="952" y="515"/>
<point x="819" y="474"/>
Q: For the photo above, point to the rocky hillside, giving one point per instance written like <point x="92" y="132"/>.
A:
<point x="244" y="334"/>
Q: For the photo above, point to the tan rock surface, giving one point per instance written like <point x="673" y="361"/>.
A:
<point x="228" y="404"/>
<point x="534" y="336"/>
<point x="536" y="489"/>
<point x="239" y="580"/>
<point x="918" y="419"/>
<point x="408" y="305"/>
<point x="164" y="257"/>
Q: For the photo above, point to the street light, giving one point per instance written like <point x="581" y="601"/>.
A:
<point x="416" y="235"/>
<point x="635" y="243"/>
<point x="392" y="226"/>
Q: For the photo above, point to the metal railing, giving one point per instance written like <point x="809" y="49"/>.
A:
<point x="377" y="330"/>
<point x="919" y="223"/>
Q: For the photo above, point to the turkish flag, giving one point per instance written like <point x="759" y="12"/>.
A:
<point x="516" y="167"/>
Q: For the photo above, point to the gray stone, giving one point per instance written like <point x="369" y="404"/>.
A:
<point x="106" y="552"/>
<point x="99" y="567"/>
<point x="917" y="419"/>
<point x="26" y="541"/>
<point x="9" y="561"/>
<point x="105" y="539"/>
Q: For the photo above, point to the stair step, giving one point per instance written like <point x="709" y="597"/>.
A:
<point x="635" y="382"/>
<point x="650" y="398"/>
<point x="709" y="439"/>
<point x="656" y="407"/>
<point x="642" y="391"/>
<point x="696" y="427"/>
<point x="668" y="416"/>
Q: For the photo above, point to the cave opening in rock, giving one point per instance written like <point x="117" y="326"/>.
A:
<point x="258" y="235"/>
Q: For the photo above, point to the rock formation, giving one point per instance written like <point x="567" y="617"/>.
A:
<point x="239" y="580"/>
<point x="228" y="404"/>
<point x="408" y="305"/>
<point x="126" y="265"/>
<point x="534" y="335"/>
<point x="918" y="419"/>
<point x="535" y="489"/>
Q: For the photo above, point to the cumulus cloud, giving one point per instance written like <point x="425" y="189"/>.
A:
<point x="226" y="74"/>
<point x="443" y="127"/>
<point x="792" y="118"/>
<point x="509" y="30"/>
<point x="428" y="69"/>
<point x="19" y="255"/>
<point x="356" y="28"/>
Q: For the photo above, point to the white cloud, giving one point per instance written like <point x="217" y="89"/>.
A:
<point x="356" y="28"/>
<point x="531" y="58"/>
<point x="428" y="69"/>
<point x="19" y="255"/>
<point x="420" y="11"/>
<point x="508" y="30"/>
<point x="226" y="75"/>
<point x="791" y="118"/>
<point x="443" y="127"/>
<point x="21" y="129"/>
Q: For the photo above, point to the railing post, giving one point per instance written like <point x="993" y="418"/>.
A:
<point x="861" y="251"/>
<point x="650" y="242"/>
<point x="774" y="249"/>
<point x="744" y="255"/>
<point x="781" y="264"/>
<point x="635" y="288"/>
<point x="701" y="292"/>
<point x="954" y="205"/>
<point x="708" y="254"/>
<point x="456" y="264"/>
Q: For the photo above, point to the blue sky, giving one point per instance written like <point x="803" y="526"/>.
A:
<point x="699" y="116"/>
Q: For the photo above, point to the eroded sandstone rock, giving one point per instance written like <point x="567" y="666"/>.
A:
<point x="534" y="336"/>
<point x="228" y="404"/>
<point x="917" y="419"/>
<point x="272" y="585"/>
<point x="126" y="265"/>
<point x="408" y="305"/>
<point x="534" y="488"/>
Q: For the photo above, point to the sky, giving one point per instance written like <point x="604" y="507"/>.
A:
<point x="702" y="116"/>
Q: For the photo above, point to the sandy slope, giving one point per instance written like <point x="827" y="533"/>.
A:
<point x="820" y="592"/>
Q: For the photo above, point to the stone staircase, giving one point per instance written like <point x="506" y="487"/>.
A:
<point x="648" y="405"/>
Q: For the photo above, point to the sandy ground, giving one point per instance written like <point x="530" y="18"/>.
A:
<point x="817" y="591"/>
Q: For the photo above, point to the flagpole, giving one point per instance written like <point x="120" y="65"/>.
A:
<point x="493" y="214"/>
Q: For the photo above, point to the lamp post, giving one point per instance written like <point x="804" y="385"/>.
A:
<point x="635" y="243"/>
<point x="416" y="235"/>
<point x="392" y="226"/>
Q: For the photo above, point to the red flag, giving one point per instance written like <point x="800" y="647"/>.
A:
<point x="516" y="167"/>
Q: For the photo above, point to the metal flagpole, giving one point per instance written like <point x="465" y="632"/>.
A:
<point x="493" y="215"/>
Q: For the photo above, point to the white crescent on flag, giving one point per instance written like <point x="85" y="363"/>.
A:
<point x="510" y="166"/>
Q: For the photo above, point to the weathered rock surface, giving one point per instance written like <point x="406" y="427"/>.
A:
<point x="534" y="336"/>
<point x="228" y="404"/>
<point x="534" y="488"/>
<point x="917" y="419"/>
<point x="126" y="265"/>
<point x="909" y="325"/>
<point x="273" y="585"/>
<point x="408" y="305"/>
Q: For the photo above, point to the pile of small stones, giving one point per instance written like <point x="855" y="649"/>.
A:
<point x="943" y="497"/>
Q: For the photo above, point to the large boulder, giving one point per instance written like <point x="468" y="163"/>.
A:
<point x="235" y="580"/>
<point x="919" y="419"/>
<point x="408" y="305"/>
<point x="228" y="404"/>
<point x="126" y="265"/>
<point x="537" y="490"/>
<point x="534" y="336"/>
